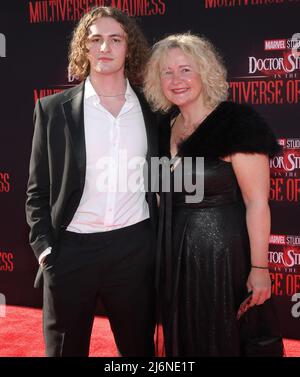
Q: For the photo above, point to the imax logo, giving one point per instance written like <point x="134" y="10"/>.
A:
<point x="2" y="46"/>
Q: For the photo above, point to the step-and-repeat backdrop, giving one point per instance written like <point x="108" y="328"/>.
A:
<point x="258" y="40"/>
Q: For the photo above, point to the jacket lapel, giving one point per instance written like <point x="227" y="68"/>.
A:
<point x="73" y="110"/>
<point x="150" y="124"/>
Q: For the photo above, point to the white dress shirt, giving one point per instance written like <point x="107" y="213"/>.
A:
<point x="116" y="147"/>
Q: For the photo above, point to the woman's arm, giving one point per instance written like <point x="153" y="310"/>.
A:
<point x="253" y="176"/>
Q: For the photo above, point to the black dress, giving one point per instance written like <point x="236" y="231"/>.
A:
<point x="203" y="248"/>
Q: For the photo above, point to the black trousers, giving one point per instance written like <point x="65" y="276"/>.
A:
<point x="116" y="266"/>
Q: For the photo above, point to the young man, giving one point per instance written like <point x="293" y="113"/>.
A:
<point x="93" y="238"/>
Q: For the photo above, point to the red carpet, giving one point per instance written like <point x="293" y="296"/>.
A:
<point x="21" y="335"/>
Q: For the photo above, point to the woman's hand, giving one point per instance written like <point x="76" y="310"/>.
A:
<point x="259" y="282"/>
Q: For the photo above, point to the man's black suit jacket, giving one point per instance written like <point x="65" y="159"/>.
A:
<point x="58" y="164"/>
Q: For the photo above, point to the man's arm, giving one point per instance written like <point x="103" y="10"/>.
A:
<point x="38" y="189"/>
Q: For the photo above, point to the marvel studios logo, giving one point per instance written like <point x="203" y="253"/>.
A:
<point x="289" y="143"/>
<point x="283" y="239"/>
<point x="277" y="239"/>
<point x="282" y="44"/>
<point x="275" y="44"/>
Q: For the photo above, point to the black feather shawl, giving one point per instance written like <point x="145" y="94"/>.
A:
<point x="229" y="129"/>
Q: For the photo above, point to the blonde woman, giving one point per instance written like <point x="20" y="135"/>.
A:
<point x="212" y="252"/>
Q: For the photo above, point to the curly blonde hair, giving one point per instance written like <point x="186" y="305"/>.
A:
<point x="137" y="46"/>
<point x="208" y="61"/>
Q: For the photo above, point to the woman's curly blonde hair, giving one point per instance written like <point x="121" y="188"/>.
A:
<point x="137" y="46"/>
<point x="209" y="63"/>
